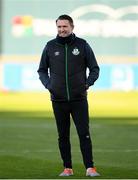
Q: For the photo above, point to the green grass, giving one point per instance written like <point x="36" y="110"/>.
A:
<point x="28" y="137"/>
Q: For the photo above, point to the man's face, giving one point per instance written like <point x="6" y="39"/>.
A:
<point x="64" y="28"/>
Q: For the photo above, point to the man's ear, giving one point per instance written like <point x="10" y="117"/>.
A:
<point x="72" y="27"/>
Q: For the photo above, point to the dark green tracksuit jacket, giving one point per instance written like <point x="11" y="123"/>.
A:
<point x="63" y="65"/>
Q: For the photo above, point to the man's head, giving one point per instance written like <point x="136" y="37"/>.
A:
<point x="65" y="25"/>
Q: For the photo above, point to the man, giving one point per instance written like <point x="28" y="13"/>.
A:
<point x="66" y="58"/>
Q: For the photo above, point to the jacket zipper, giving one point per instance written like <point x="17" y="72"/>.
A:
<point x="66" y="72"/>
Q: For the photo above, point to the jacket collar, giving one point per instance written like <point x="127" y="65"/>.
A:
<point x="65" y="40"/>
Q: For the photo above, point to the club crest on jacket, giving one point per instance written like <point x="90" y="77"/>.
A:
<point x="75" y="51"/>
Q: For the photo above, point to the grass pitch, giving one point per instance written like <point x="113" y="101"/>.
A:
<point x="28" y="136"/>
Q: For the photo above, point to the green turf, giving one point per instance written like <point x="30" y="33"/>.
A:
<point x="28" y="138"/>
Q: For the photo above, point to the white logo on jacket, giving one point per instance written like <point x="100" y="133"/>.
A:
<point x="75" y="51"/>
<point x="57" y="53"/>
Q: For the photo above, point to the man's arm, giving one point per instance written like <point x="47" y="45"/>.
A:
<point x="91" y="63"/>
<point x="43" y="68"/>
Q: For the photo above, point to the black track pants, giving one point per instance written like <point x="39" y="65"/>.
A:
<point x="79" y="112"/>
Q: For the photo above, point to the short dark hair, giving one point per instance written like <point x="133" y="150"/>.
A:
<point x="65" y="17"/>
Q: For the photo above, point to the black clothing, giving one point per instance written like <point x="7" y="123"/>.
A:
<point x="79" y="112"/>
<point x="62" y="71"/>
<point x="65" y="40"/>
<point x="67" y="58"/>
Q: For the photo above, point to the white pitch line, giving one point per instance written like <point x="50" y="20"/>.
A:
<point x="53" y="151"/>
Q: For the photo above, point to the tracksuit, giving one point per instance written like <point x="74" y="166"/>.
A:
<point x="62" y="71"/>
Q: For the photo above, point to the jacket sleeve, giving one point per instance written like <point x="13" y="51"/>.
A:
<point x="43" y="68"/>
<point x="92" y="65"/>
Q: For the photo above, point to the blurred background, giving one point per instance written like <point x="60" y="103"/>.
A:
<point x="110" y="26"/>
<point x="26" y="118"/>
